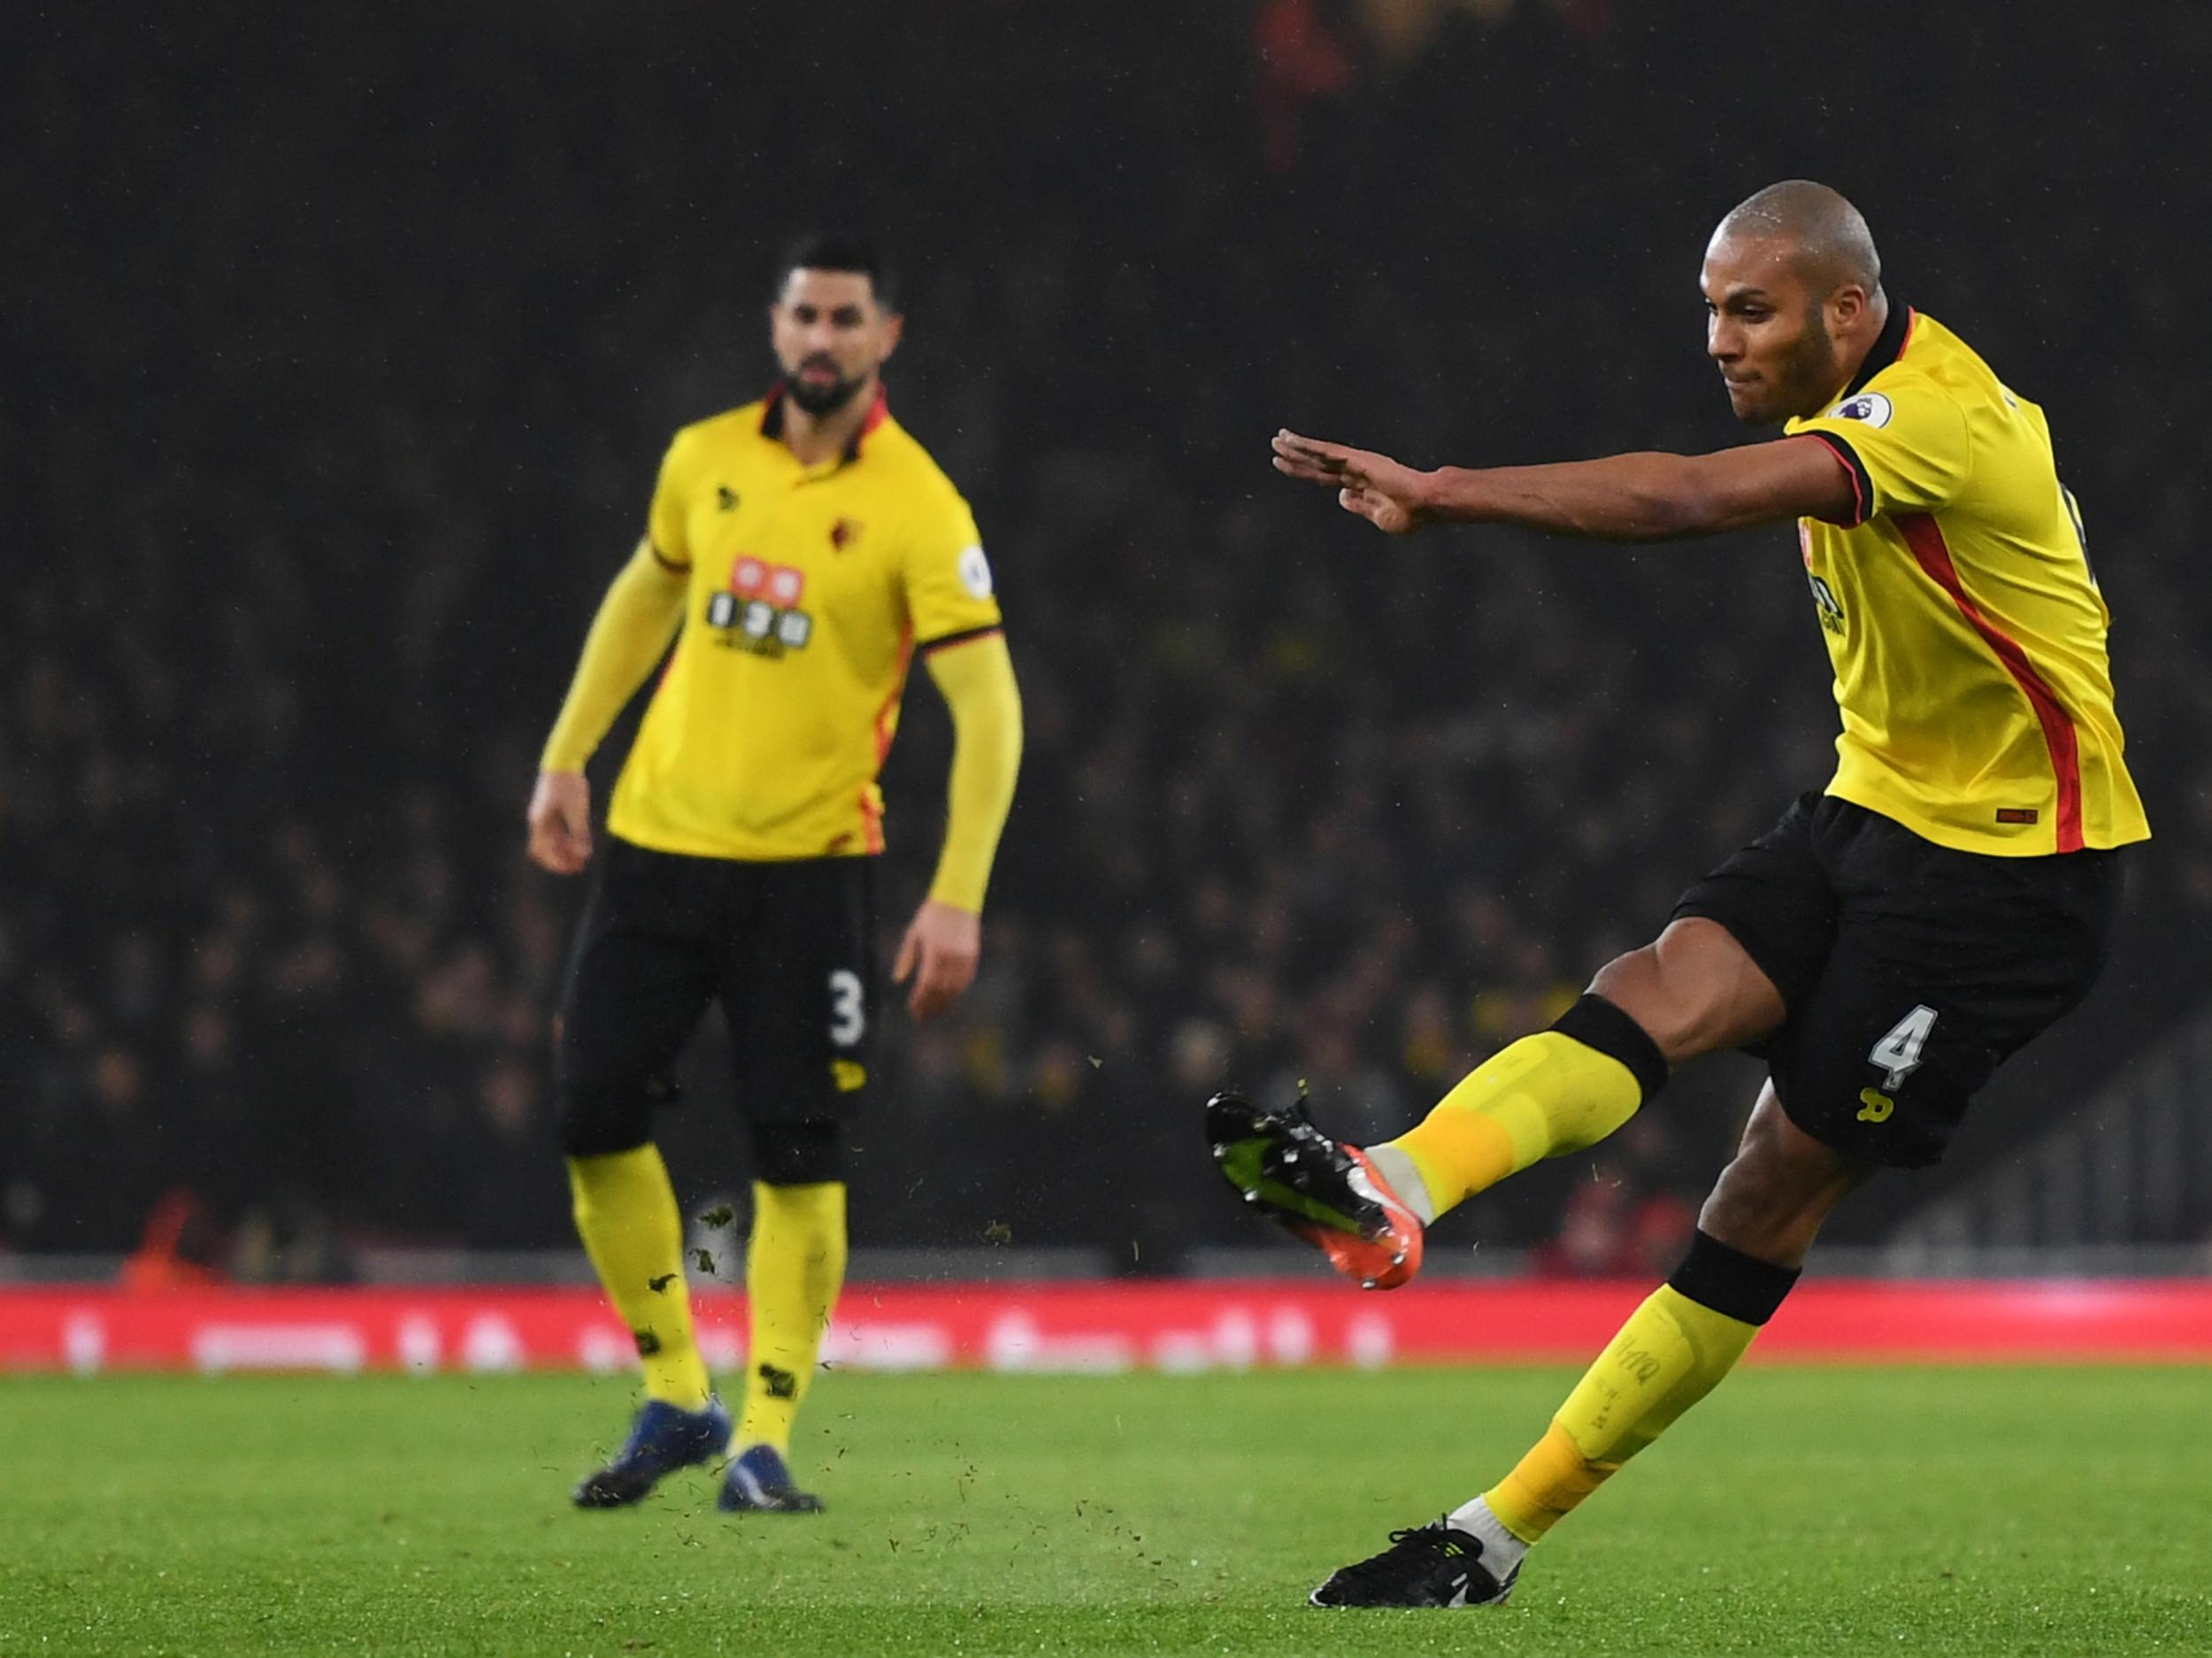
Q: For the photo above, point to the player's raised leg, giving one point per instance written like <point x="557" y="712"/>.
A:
<point x="1321" y="1190"/>
<point x="1752" y="1238"/>
<point x="1693" y="990"/>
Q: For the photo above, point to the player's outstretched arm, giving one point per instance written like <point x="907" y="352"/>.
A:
<point x="944" y="944"/>
<point x="1643" y="497"/>
<point x="635" y="619"/>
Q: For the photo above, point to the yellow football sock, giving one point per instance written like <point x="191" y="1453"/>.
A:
<point x="794" y="1267"/>
<point x="1546" y="1094"/>
<point x="627" y="1215"/>
<point x="1670" y="1354"/>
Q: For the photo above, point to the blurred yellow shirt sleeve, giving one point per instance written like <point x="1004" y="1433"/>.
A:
<point x="635" y="621"/>
<point x="977" y="679"/>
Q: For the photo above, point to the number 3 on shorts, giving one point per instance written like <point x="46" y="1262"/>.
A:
<point x="848" y="1010"/>
<point x="1899" y="1051"/>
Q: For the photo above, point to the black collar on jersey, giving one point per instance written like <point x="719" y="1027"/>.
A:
<point x="1889" y="345"/>
<point x="879" y="411"/>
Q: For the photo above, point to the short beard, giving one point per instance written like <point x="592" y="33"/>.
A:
<point x="1813" y="378"/>
<point x="821" y="400"/>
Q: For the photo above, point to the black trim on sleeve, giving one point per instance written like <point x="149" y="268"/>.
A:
<point x="1889" y="345"/>
<point x="1596" y="1023"/>
<point x="665" y="561"/>
<point x="1732" y="1284"/>
<point x="960" y="638"/>
<point x="1862" y="481"/>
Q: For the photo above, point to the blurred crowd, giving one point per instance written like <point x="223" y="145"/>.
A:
<point x="339" y="397"/>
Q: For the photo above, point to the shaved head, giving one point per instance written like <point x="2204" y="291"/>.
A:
<point x="1829" y="239"/>
<point x="1793" y="299"/>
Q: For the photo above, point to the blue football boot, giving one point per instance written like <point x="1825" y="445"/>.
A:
<point x="663" y="1438"/>
<point x="759" y="1483"/>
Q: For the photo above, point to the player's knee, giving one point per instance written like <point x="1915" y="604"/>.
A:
<point x="600" y="1116"/>
<point x="799" y="1154"/>
<point x="1772" y="1199"/>
<point x="1760" y="1216"/>
<point x="1694" y="990"/>
<point x="1637" y="984"/>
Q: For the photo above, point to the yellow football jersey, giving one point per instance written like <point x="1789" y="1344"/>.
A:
<point x="1966" y="629"/>
<point x="809" y="590"/>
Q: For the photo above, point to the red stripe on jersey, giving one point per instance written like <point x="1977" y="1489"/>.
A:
<point x="870" y="814"/>
<point x="891" y="703"/>
<point x="1926" y="539"/>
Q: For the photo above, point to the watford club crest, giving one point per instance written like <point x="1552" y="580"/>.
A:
<point x="843" y="533"/>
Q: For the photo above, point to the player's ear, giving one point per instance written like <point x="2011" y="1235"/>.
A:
<point x="894" y="331"/>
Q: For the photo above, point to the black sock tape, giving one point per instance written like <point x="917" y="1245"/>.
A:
<point x="1596" y="1023"/>
<point x="1731" y="1283"/>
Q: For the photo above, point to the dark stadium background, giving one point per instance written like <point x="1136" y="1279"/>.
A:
<point x="340" y="346"/>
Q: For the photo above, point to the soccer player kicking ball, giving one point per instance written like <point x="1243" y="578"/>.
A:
<point x="1889" y="941"/>
<point x="799" y="550"/>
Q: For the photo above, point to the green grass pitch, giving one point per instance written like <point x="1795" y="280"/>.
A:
<point x="1797" y="1512"/>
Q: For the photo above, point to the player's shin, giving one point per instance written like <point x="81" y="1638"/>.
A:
<point x="626" y="1215"/>
<point x="1555" y="1092"/>
<point x="1674" y="1350"/>
<point x="793" y="1267"/>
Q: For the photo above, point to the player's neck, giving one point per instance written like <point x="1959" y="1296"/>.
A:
<point x="1854" y="363"/>
<point x="813" y="439"/>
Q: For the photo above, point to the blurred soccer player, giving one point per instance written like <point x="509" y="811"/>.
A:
<point x="1891" y="940"/>
<point x="799" y="550"/>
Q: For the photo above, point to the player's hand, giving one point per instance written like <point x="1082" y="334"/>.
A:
<point x="560" y="822"/>
<point x="939" y="953"/>
<point x="1381" y="491"/>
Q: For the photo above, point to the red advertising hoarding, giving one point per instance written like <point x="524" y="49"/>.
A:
<point x="1173" y="1326"/>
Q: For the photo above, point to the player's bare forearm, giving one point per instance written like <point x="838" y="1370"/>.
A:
<point x="1636" y="498"/>
<point x="1640" y="497"/>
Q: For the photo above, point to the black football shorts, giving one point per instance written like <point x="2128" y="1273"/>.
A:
<point x="1909" y="970"/>
<point x="786" y="947"/>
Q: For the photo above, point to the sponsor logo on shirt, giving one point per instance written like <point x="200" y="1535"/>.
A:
<point x="758" y="612"/>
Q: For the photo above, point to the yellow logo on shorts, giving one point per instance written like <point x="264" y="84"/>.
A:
<point x="847" y="1075"/>
<point x="1874" y="1106"/>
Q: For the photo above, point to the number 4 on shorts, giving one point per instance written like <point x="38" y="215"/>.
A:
<point x="1899" y="1051"/>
